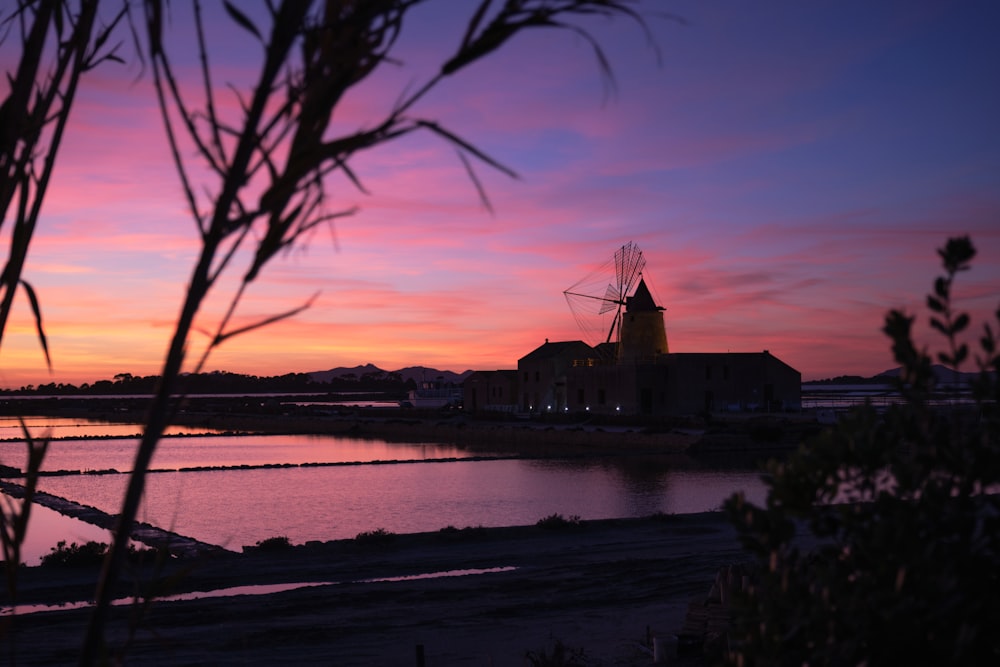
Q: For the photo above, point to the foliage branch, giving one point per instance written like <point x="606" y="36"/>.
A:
<point x="58" y="42"/>
<point x="269" y="168"/>
<point x="879" y="542"/>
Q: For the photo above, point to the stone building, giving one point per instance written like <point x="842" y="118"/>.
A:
<point x="491" y="391"/>
<point x="686" y="383"/>
<point x="637" y="375"/>
<point x="542" y="374"/>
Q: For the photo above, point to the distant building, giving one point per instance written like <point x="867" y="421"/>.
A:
<point x="687" y="383"/>
<point x="491" y="391"/>
<point x="542" y="374"/>
<point x="637" y="374"/>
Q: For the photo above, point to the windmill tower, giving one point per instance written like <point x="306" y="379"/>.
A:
<point x="643" y="335"/>
<point x="617" y="289"/>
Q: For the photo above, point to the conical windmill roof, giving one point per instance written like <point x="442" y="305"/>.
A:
<point x="642" y="300"/>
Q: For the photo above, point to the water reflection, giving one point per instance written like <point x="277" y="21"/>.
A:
<point x="252" y="589"/>
<point x="217" y="451"/>
<point x="238" y="507"/>
<point x="52" y="427"/>
<point x="234" y="508"/>
<point x="46" y="528"/>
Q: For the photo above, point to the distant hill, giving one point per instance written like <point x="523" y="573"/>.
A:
<point x="942" y="376"/>
<point x="350" y="373"/>
<point x="366" y="378"/>
<point x="372" y="372"/>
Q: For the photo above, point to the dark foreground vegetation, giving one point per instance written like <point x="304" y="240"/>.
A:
<point x="905" y="509"/>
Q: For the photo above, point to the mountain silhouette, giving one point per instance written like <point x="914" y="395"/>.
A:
<point x="370" y="371"/>
<point x="942" y="375"/>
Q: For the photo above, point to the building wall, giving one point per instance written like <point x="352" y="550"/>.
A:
<point x="644" y="337"/>
<point x="686" y="383"/>
<point x="717" y="381"/>
<point x="567" y="377"/>
<point x="542" y="375"/>
<point x="601" y="389"/>
<point x="491" y="391"/>
<point x="542" y="384"/>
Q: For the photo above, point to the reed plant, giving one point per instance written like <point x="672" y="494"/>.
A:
<point x="57" y="42"/>
<point x="269" y="166"/>
<point x="256" y="181"/>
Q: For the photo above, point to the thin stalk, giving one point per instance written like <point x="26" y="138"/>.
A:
<point x="162" y="406"/>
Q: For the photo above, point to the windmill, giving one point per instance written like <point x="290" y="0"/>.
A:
<point x="602" y="293"/>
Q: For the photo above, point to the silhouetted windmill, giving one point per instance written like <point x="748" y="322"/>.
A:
<point x="603" y="291"/>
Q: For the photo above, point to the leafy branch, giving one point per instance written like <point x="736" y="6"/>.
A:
<point x="900" y="517"/>
<point x="60" y="41"/>
<point x="269" y="168"/>
<point x="33" y="119"/>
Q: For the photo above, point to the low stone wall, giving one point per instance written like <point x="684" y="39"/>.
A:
<point x="145" y="533"/>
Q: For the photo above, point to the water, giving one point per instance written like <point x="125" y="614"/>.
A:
<point x="245" y="450"/>
<point x="238" y="507"/>
<point x="52" y="427"/>
<point x="46" y="528"/>
<point x="250" y="589"/>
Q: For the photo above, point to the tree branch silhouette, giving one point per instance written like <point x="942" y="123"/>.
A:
<point x="270" y="165"/>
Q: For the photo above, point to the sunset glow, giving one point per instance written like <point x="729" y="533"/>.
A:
<point x="788" y="169"/>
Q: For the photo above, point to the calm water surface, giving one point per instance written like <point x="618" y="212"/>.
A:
<point x="53" y="427"/>
<point x="233" y="508"/>
<point x="244" y="450"/>
<point x="47" y="527"/>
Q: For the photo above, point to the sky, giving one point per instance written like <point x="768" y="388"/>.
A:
<point x="788" y="169"/>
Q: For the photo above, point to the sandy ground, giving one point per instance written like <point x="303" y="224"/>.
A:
<point x="603" y="587"/>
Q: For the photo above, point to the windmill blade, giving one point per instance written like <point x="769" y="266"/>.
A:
<point x="629" y="263"/>
<point x="583" y="307"/>
<point x="601" y="294"/>
<point x="611" y="300"/>
<point x="592" y="303"/>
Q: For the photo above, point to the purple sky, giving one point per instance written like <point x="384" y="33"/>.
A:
<point x="788" y="169"/>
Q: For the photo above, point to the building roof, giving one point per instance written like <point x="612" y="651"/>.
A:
<point x="766" y="354"/>
<point x="504" y="373"/>
<point x="642" y="300"/>
<point x="549" y="350"/>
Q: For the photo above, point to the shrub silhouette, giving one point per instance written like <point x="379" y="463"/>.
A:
<point x="904" y="509"/>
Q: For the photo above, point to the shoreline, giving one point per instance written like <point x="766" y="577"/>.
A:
<point x="748" y="434"/>
<point x="602" y="586"/>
